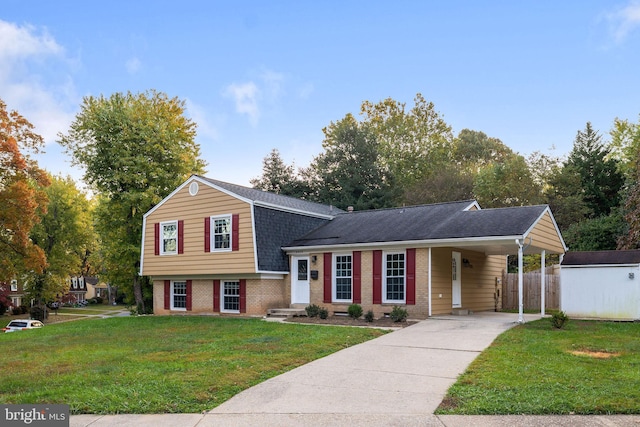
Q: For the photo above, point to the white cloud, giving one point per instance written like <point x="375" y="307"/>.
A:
<point x="246" y="97"/>
<point x="624" y="20"/>
<point x="46" y="99"/>
<point x="133" y="65"/>
<point x="206" y="129"/>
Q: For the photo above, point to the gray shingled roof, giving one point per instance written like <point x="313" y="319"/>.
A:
<point x="284" y="202"/>
<point x="602" y="257"/>
<point x="427" y="222"/>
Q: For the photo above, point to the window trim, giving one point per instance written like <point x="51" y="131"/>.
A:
<point x="223" y="295"/>
<point x="14" y="286"/>
<point x="334" y="277"/>
<point x="385" y="276"/>
<point x="212" y="232"/>
<point x="161" y="237"/>
<point x="173" y="294"/>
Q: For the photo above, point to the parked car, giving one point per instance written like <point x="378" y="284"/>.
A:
<point x="22" y="325"/>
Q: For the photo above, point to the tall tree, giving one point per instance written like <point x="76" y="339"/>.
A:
<point x="135" y="149"/>
<point x="564" y="195"/>
<point x="66" y="235"/>
<point x="21" y="195"/>
<point x="349" y="171"/>
<point x="413" y="144"/>
<point x="508" y="183"/>
<point x="278" y="177"/>
<point x="600" y="179"/>
<point x="474" y="149"/>
<point x="625" y="145"/>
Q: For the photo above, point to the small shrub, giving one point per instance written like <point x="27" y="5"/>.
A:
<point x="312" y="310"/>
<point x="16" y="310"/>
<point x="355" y="311"/>
<point x="323" y="313"/>
<point x="398" y="314"/>
<point x="99" y="300"/>
<point x="38" y="313"/>
<point x="559" y="319"/>
<point x="24" y="309"/>
<point x="369" y="316"/>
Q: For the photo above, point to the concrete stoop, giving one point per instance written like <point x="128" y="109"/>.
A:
<point x="461" y="312"/>
<point x="286" y="312"/>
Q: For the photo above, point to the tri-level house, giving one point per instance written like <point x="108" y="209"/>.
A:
<point x="215" y="247"/>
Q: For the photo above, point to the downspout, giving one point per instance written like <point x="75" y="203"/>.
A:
<point x="429" y="279"/>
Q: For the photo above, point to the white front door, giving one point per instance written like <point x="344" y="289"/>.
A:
<point x="300" y="280"/>
<point x="456" y="280"/>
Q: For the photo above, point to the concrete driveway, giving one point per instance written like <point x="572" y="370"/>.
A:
<point x="397" y="379"/>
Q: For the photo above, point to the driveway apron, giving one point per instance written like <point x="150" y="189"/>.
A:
<point x="403" y="373"/>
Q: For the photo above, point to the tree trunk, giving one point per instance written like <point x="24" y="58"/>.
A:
<point x="137" y="293"/>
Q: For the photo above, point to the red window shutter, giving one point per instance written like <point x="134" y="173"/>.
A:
<point x="243" y="296"/>
<point x="189" y="295"/>
<point x="235" y="234"/>
<point x="156" y="238"/>
<point x="207" y="234"/>
<point x="327" y="276"/>
<point x="357" y="277"/>
<point x="181" y="236"/>
<point x="411" y="277"/>
<point x="377" y="277"/>
<point x="167" y="294"/>
<point x="216" y="296"/>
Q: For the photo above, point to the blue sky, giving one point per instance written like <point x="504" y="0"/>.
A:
<point x="258" y="75"/>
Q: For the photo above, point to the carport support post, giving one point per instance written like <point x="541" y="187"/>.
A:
<point x="542" y="281"/>
<point x="520" y="280"/>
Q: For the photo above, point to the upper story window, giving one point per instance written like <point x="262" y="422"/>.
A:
<point x="74" y="282"/>
<point x="81" y="282"/>
<point x="14" y="285"/>
<point x="394" y="277"/>
<point x="342" y="286"/>
<point x="221" y="233"/>
<point x="169" y="239"/>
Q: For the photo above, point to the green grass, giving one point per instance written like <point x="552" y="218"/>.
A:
<point x="157" y="364"/>
<point x="536" y="369"/>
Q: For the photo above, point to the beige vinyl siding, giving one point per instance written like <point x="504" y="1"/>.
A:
<point x="545" y="235"/>
<point x="195" y="261"/>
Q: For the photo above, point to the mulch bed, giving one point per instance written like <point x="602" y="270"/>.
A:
<point x="384" y="322"/>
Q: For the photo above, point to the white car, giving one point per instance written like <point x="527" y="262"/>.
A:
<point x="22" y="325"/>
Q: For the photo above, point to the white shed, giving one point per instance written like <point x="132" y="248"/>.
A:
<point x="601" y="285"/>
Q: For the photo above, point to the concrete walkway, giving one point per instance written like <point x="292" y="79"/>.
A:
<point x="398" y="379"/>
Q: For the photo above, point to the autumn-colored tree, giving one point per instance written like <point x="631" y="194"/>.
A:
<point x="135" y="149"/>
<point x="21" y="195"/>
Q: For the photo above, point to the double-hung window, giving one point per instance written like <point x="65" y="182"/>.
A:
<point x="394" y="277"/>
<point x="343" y="269"/>
<point x="169" y="238"/>
<point x="14" y="285"/>
<point x="231" y="297"/>
<point x="221" y="233"/>
<point x="178" y="295"/>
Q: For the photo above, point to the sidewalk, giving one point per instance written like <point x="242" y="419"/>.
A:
<point x="398" y="379"/>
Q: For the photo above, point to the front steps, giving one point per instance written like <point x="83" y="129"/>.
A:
<point x="286" y="312"/>
<point x="460" y="312"/>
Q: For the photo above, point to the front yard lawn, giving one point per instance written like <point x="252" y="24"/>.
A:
<point x="157" y="364"/>
<point x="588" y="367"/>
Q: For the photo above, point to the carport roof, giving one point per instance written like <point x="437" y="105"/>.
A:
<point x="602" y="257"/>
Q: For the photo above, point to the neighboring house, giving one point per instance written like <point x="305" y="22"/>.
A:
<point x="16" y="293"/>
<point x="77" y="289"/>
<point x="601" y="285"/>
<point x="215" y="247"/>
